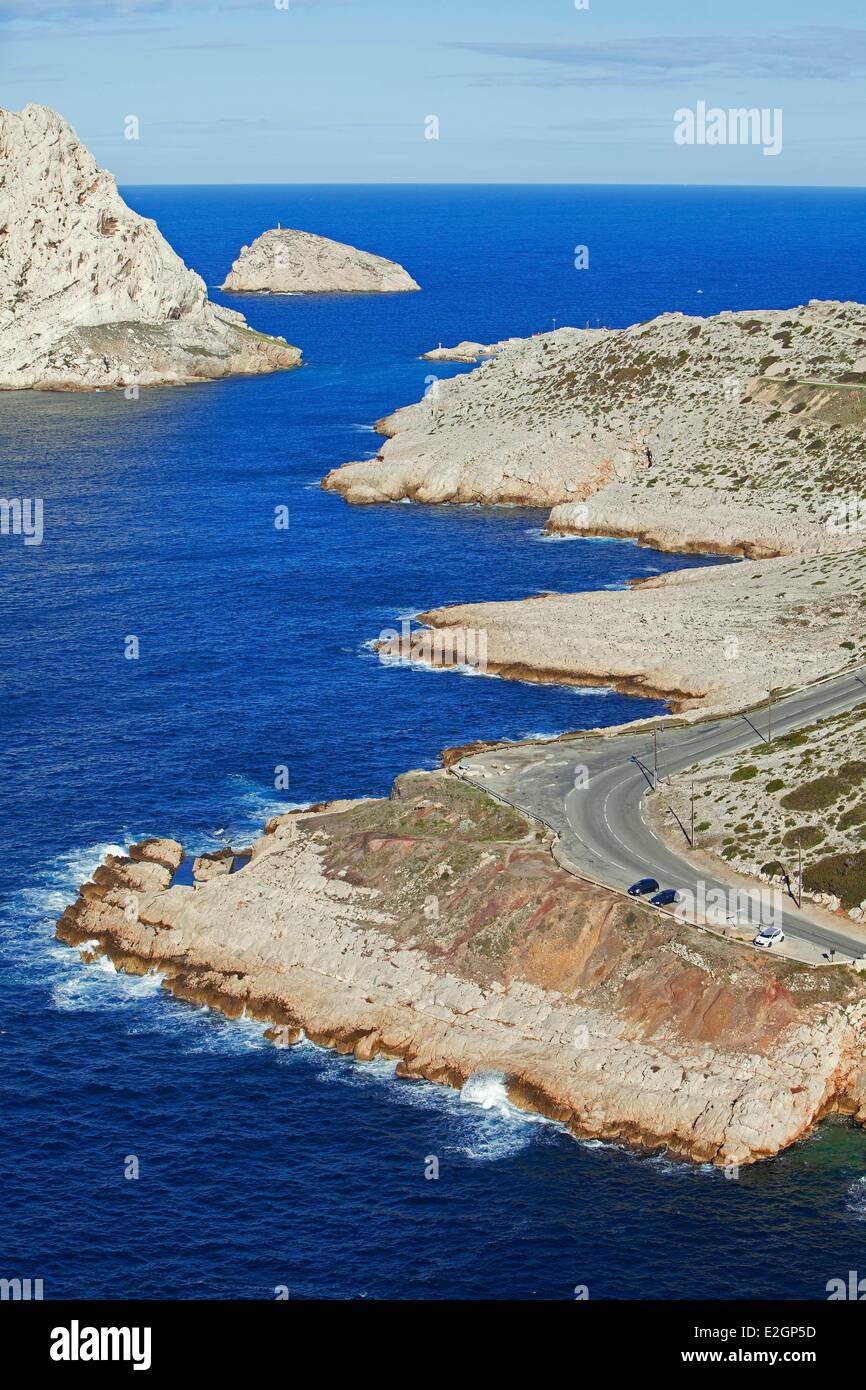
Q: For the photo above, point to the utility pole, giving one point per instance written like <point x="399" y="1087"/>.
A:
<point x="693" y="813"/>
<point x="799" y="871"/>
<point x="770" y="690"/>
<point x="655" y="758"/>
<point x="770" y="715"/>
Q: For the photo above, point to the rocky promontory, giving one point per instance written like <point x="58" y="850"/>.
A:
<point x="712" y="639"/>
<point x="91" y="294"/>
<point x="741" y="433"/>
<point x="435" y="928"/>
<point x="466" y="351"/>
<point x="286" y="261"/>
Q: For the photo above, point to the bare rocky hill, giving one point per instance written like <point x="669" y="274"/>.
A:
<point x="286" y="261"/>
<point x="91" y="294"/>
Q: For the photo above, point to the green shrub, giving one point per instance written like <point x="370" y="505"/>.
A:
<point x="841" y="874"/>
<point x="806" y="835"/>
<point x="744" y="774"/>
<point x="774" y="869"/>
<point x="823" y="791"/>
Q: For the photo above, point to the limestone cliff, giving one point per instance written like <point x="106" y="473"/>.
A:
<point x="91" y="294"/>
<point x="285" y="261"/>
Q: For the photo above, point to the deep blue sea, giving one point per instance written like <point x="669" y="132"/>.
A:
<point x="262" y="1168"/>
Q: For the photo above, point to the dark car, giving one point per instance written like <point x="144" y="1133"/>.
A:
<point x="666" y="898"/>
<point x="643" y="885"/>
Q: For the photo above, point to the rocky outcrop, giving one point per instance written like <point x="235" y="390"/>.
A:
<point x="285" y="261"/>
<point x="91" y="294"/>
<point x="435" y="928"/>
<point x="467" y="351"/>
<point x="741" y="433"/>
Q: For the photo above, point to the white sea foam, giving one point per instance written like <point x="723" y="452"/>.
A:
<point x="856" y="1198"/>
<point x="538" y="533"/>
<point x="100" y="986"/>
<point x="493" y="1127"/>
<point x="487" y="1089"/>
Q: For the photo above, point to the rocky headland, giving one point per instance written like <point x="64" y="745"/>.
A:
<point x="740" y="434"/>
<point x="91" y="294"/>
<point x="286" y="261"/>
<point x="434" y="927"/>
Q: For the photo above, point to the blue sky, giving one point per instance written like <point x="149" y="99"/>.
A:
<point x="241" y="91"/>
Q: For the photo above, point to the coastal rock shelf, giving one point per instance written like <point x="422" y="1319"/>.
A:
<point x="466" y="351"/>
<point x="286" y="261"/>
<point x="697" y="637"/>
<point x="434" y="927"/>
<point x="91" y="294"/>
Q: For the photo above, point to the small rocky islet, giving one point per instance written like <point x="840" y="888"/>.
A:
<point x="284" y="260"/>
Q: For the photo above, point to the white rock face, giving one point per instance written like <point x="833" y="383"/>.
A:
<point x="284" y="261"/>
<point x="91" y="294"/>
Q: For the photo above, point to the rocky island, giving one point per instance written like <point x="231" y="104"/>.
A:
<point x="286" y="261"/>
<point x="91" y="294"/>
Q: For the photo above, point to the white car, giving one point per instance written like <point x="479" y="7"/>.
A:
<point x="769" y="936"/>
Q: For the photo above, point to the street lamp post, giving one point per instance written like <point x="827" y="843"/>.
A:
<point x="770" y="689"/>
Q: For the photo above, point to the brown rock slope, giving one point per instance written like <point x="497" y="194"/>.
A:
<point x="434" y="927"/>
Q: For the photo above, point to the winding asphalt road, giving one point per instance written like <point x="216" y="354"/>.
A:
<point x="600" y="814"/>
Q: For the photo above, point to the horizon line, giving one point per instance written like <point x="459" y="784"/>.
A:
<point x="491" y="183"/>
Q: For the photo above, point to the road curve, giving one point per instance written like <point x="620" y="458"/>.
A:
<point x="600" y="814"/>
